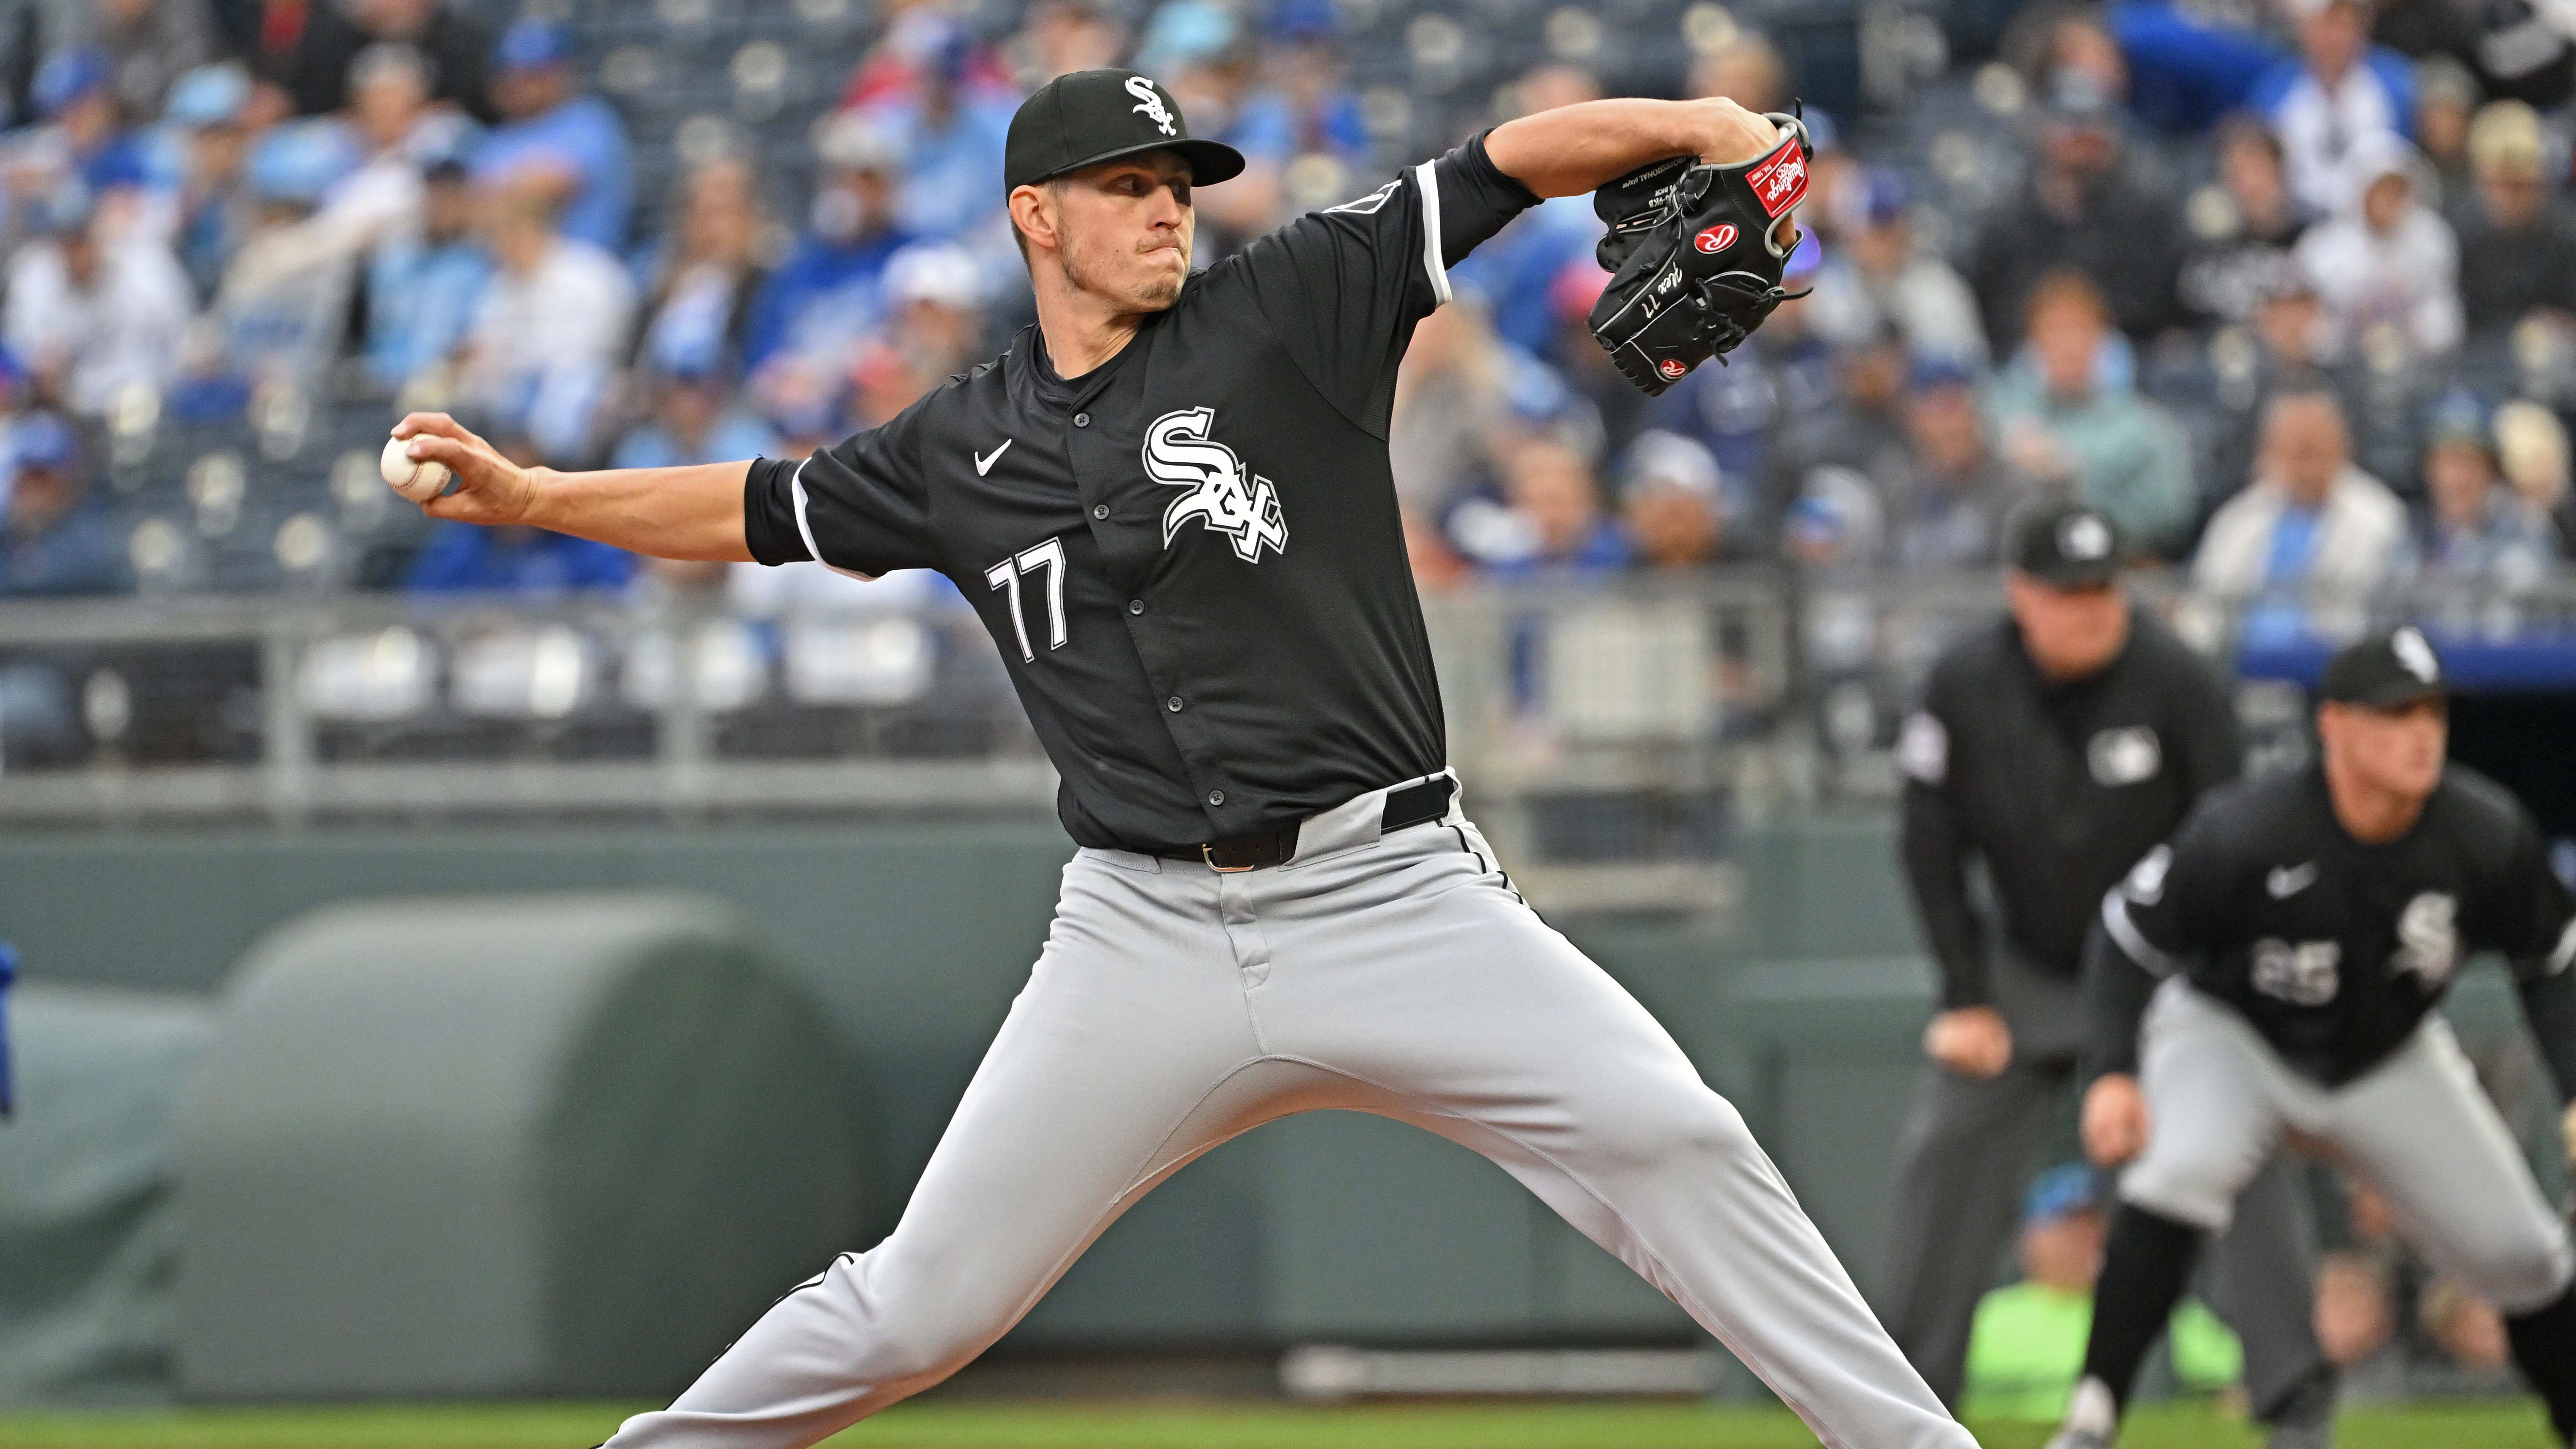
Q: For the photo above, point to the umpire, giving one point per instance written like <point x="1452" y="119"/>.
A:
<point x="2054" y="748"/>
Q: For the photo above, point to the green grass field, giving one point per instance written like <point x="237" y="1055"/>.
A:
<point x="1162" y="1426"/>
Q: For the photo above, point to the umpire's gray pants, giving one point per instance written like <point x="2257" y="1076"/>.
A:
<point x="2219" y="1100"/>
<point x="1965" y="1157"/>
<point x="1174" y="1007"/>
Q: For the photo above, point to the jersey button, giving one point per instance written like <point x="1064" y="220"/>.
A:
<point x="1216" y="797"/>
<point x="1135" y="606"/>
<point x="1173" y="704"/>
<point x="1100" y="510"/>
<point x="1082" y="420"/>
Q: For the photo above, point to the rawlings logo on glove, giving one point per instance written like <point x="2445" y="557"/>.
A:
<point x="1669" y="306"/>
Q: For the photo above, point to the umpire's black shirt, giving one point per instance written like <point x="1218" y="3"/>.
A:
<point x="2333" y="948"/>
<point x="1191" y="555"/>
<point x="2059" y="787"/>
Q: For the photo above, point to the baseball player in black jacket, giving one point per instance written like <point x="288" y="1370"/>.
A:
<point x="1170" y="502"/>
<point x="2286" y="952"/>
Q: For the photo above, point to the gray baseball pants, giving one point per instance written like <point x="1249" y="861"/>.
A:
<point x="1174" y="1007"/>
<point x="2219" y="1100"/>
<point x="1967" y="1155"/>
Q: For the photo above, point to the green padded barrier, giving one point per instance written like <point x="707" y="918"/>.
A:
<point x="485" y="1146"/>
<point x="89" y="1237"/>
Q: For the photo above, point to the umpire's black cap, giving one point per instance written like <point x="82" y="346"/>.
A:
<point x="2386" y="671"/>
<point x="2064" y="545"/>
<point x="1086" y="117"/>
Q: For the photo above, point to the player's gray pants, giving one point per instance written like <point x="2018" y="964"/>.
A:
<point x="2219" y="1100"/>
<point x="1174" y="1007"/>
<point x="1966" y="1157"/>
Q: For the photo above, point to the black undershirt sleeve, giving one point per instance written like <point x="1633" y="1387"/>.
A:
<point x="768" y="518"/>
<point x="1476" y="199"/>
<point x="2116" y="992"/>
<point x="1936" y="868"/>
<point x="2549" y="1004"/>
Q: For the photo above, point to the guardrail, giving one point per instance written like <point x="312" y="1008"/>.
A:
<point x="1613" y="731"/>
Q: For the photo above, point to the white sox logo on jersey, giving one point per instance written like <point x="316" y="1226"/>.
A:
<point x="1152" y="108"/>
<point x="2428" y="938"/>
<point x="1224" y="496"/>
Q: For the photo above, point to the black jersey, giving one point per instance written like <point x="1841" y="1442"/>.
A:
<point x="2058" y="787"/>
<point x="1191" y="556"/>
<point x="2335" y="949"/>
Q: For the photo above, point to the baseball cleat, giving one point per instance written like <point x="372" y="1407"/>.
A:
<point x="2092" y="1419"/>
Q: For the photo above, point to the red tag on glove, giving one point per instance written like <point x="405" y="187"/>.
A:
<point x="1780" y="181"/>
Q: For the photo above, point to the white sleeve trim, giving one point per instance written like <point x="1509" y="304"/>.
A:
<point x="796" y="490"/>
<point x="2124" y="932"/>
<point x="1431" y="248"/>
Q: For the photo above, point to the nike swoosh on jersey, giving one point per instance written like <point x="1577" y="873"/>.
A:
<point x="984" y="465"/>
<point x="2286" y="881"/>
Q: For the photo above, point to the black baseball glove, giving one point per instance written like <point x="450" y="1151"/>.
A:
<point x="1694" y="256"/>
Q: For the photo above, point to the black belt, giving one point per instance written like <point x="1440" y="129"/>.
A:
<point x="1415" y="804"/>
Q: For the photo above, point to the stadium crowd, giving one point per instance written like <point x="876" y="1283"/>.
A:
<point x="2287" y="291"/>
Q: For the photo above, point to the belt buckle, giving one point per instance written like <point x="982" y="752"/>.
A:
<point x="1209" y="851"/>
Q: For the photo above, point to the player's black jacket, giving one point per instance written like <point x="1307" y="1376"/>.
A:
<point x="2333" y="949"/>
<point x="2058" y="787"/>
<point x="1190" y="556"/>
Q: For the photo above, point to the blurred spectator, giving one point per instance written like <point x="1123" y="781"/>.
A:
<point x="1448" y="404"/>
<point x="2516" y="49"/>
<point x="210" y="109"/>
<point x="284" y="304"/>
<point x="53" y="538"/>
<point x="693" y="417"/>
<point x="1945" y="509"/>
<point x="2389" y="261"/>
<point x="699" y="300"/>
<point x="149" y="44"/>
<point x="305" y="48"/>
<point x="2242" y="226"/>
<point x="2531" y="447"/>
<point x="1672" y="503"/>
<point x="89" y="318"/>
<point x="1836" y="523"/>
<point x="423" y="290"/>
<point x="1308" y="85"/>
<point x="557" y="138"/>
<point x="2330" y="102"/>
<point x="1745" y="67"/>
<point x="934" y="291"/>
<point x="2026" y="1348"/>
<point x="2517" y="250"/>
<point x="466" y="558"/>
<point x="2188" y="65"/>
<point x="1057" y="37"/>
<point x="550" y="329"/>
<point x="916" y="31"/>
<point x="825" y="297"/>
<point x="2062" y="422"/>
<point x="2083" y="207"/>
<point x="1861" y="428"/>
<point x="2477" y="530"/>
<point x="83" y="140"/>
<point x="2446" y="100"/>
<point x="1550" y="519"/>
<point x="949" y="133"/>
<point x="1879" y="279"/>
<point x="395" y="133"/>
<point x="2310" y="529"/>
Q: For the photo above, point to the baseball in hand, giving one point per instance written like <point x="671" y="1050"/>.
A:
<point x="417" y="481"/>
